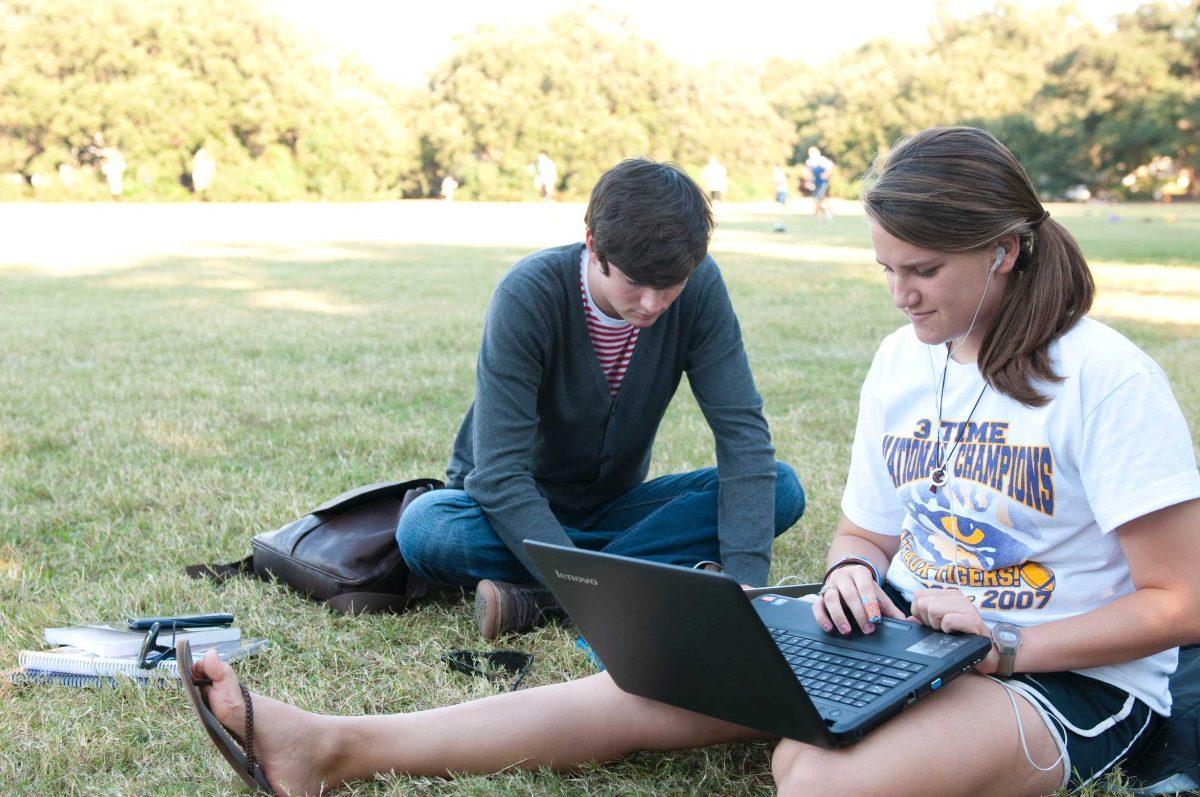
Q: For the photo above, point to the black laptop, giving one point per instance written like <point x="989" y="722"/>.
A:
<point x="694" y="639"/>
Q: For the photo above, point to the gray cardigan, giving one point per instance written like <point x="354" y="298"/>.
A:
<point x="544" y="436"/>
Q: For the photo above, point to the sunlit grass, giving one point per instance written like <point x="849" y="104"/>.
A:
<point x="156" y="411"/>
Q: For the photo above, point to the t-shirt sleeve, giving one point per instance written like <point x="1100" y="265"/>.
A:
<point x="1136" y="453"/>
<point x="869" y="500"/>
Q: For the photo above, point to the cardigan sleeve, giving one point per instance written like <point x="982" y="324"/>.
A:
<point x="507" y="375"/>
<point x="719" y="373"/>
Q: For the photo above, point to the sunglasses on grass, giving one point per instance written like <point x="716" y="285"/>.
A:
<point x="153" y="652"/>
<point x="493" y="664"/>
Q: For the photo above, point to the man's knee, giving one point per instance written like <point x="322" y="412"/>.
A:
<point x="427" y="526"/>
<point x="789" y="497"/>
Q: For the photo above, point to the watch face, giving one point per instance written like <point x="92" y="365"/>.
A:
<point x="1008" y="636"/>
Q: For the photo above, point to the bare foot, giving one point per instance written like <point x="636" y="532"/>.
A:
<point x="288" y="742"/>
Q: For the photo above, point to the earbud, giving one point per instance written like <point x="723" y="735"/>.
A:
<point x="1000" y="253"/>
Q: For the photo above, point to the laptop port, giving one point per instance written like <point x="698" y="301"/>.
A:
<point x="912" y="698"/>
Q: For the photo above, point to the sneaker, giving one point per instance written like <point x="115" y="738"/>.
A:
<point x="504" y="608"/>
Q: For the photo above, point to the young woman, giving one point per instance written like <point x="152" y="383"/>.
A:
<point x="1018" y="468"/>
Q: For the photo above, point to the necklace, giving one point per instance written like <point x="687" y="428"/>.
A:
<point x="939" y="476"/>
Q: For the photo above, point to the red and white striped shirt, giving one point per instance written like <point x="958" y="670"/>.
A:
<point x="612" y="338"/>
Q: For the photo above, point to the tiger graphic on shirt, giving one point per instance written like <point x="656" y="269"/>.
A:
<point x="976" y="531"/>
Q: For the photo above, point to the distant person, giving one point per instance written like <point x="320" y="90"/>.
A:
<point x="545" y="177"/>
<point x="112" y="166"/>
<point x="821" y="169"/>
<point x="805" y="183"/>
<point x="204" y="167"/>
<point x="716" y="179"/>
<point x="583" y="347"/>
<point x="780" y="178"/>
<point x="449" y="186"/>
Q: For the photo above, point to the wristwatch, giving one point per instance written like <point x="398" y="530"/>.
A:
<point x="1007" y="639"/>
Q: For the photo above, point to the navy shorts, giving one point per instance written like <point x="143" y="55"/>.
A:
<point x="1095" y="725"/>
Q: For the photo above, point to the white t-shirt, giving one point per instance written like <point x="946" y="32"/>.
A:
<point x="1023" y="525"/>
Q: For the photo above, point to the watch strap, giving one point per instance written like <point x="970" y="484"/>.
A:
<point x="1008" y="656"/>
<point x="1007" y="660"/>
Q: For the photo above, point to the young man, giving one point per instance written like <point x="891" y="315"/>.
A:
<point x="583" y="348"/>
<point x="821" y="169"/>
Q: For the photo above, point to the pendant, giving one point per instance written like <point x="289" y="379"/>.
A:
<point x="938" y="477"/>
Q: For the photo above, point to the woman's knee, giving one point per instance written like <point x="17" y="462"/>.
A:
<point x="801" y="769"/>
<point x="644" y="724"/>
<point x="789" y="497"/>
<point x="624" y="704"/>
<point x="638" y="715"/>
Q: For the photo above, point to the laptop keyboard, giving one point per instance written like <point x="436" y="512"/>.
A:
<point x="851" y="677"/>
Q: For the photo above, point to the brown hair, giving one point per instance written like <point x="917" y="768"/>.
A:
<point x="651" y="219"/>
<point x="958" y="189"/>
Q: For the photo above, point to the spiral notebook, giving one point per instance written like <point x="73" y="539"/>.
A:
<point x="37" y="677"/>
<point x="76" y="667"/>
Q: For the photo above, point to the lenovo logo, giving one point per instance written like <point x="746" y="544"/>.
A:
<point x="577" y="579"/>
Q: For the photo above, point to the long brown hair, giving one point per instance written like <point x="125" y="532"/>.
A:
<point x="958" y="189"/>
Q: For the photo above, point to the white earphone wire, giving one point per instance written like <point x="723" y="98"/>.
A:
<point x="1000" y="252"/>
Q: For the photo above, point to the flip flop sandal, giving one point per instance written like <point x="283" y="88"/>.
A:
<point x="239" y="753"/>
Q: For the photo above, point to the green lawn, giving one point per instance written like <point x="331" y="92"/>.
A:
<point x="159" y="414"/>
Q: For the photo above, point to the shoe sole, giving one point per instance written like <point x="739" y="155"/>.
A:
<point x="489" y="608"/>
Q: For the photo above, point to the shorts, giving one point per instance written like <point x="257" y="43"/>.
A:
<point x="781" y="197"/>
<point x="820" y="190"/>
<point x="1095" y="725"/>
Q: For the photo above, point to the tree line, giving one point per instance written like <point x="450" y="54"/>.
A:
<point x="1113" y="109"/>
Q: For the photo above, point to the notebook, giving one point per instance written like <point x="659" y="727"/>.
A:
<point x="69" y="661"/>
<point x="117" y="640"/>
<point x="37" y="677"/>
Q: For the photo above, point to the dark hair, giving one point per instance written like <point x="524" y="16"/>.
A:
<point x="958" y="189"/>
<point x="651" y="220"/>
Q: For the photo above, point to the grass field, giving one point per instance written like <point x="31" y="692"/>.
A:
<point x="174" y="379"/>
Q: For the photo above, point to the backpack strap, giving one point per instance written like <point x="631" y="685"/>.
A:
<point x="367" y="602"/>
<point x="222" y="573"/>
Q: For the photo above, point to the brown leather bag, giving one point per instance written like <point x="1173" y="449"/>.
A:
<point x="343" y="553"/>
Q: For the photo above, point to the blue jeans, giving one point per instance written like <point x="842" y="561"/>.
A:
<point x="445" y="536"/>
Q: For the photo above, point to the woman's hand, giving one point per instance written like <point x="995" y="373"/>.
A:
<point x="949" y="610"/>
<point x="853" y="587"/>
